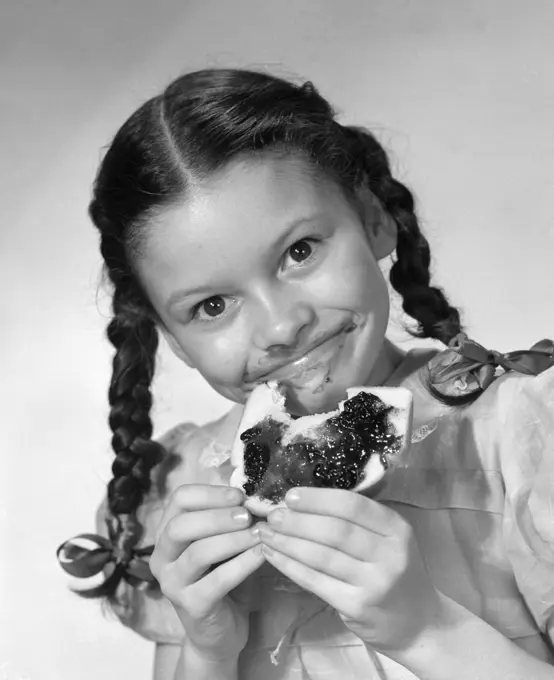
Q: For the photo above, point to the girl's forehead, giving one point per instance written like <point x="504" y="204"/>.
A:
<point x="265" y="194"/>
<point x="237" y="217"/>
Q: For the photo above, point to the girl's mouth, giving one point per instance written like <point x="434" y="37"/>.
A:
<point x="314" y="368"/>
<point x="308" y="366"/>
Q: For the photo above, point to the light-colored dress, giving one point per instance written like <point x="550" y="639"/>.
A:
<point x="478" y="490"/>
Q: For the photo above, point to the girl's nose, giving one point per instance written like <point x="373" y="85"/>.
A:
<point x="280" y="325"/>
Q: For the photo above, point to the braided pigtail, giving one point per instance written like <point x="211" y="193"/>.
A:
<point x="410" y="274"/>
<point x="134" y="335"/>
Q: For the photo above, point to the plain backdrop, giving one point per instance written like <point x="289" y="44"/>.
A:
<point x="460" y="91"/>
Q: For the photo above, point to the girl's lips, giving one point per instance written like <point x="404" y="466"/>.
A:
<point x="310" y="363"/>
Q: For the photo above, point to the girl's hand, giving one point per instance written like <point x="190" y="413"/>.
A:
<point x="204" y="526"/>
<point x="358" y="556"/>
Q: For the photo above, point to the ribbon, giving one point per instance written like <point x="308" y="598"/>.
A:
<point x="82" y="561"/>
<point x="467" y="367"/>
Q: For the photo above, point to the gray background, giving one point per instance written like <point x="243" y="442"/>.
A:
<point x="460" y="91"/>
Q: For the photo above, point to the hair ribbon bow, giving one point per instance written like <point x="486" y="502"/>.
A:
<point x="86" y="555"/>
<point x="467" y="366"/>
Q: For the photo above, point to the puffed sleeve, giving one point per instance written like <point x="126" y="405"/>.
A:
<point x="527" y="454"/>
<point x="144" y="609"/>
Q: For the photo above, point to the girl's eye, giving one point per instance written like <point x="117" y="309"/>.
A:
<point x="212" y="307"/>
<point x="301" y="251"/>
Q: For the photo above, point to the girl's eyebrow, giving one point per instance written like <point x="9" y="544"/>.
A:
<point x="180" y="295"/>
<point x="293" y="226"/>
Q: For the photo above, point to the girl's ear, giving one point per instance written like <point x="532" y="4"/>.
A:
<point x="176" y="347"/>
<point x="379" y="225"/>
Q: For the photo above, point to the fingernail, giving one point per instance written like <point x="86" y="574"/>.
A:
<point x="292" y="497"/>
<point x="266" y="531"/>
<point x="241" y="515"/>
<point x="276" y="517"/>
<point x="255" y="531"/>
<point x="266" y="550"/>
<point x="234" y="495"/>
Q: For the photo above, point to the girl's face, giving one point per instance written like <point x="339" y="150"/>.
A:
<point x="267" y="272"/>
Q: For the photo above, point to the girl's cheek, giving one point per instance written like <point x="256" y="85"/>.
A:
<point x="343" y="283"/>
<point x="224" y="359"/>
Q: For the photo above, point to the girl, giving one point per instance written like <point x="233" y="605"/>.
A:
<point x="242" y="221"/>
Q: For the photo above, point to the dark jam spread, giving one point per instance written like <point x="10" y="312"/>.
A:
<point x="335" y="455"/>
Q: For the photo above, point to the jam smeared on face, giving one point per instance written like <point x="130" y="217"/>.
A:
<point x="335" y="456"/>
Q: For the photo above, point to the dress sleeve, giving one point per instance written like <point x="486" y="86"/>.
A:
<point x="527" y="458"/>
<point x="144" y="609"/>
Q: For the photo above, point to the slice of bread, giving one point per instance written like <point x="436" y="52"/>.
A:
<point x="350" y="448"/>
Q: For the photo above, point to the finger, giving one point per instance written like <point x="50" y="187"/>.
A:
<point x="320" y="557"/>
<point x="191" y="497"/>
<point x="202" y="595"/>
<point x="183" y="529"/>
<point x="329" y="589"/>
<point x="341" y="534"/>
<point x="203" y="554"/>
<point x="347" y="505"/>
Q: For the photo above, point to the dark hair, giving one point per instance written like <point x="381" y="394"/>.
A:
<point x="202" y="121"/>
